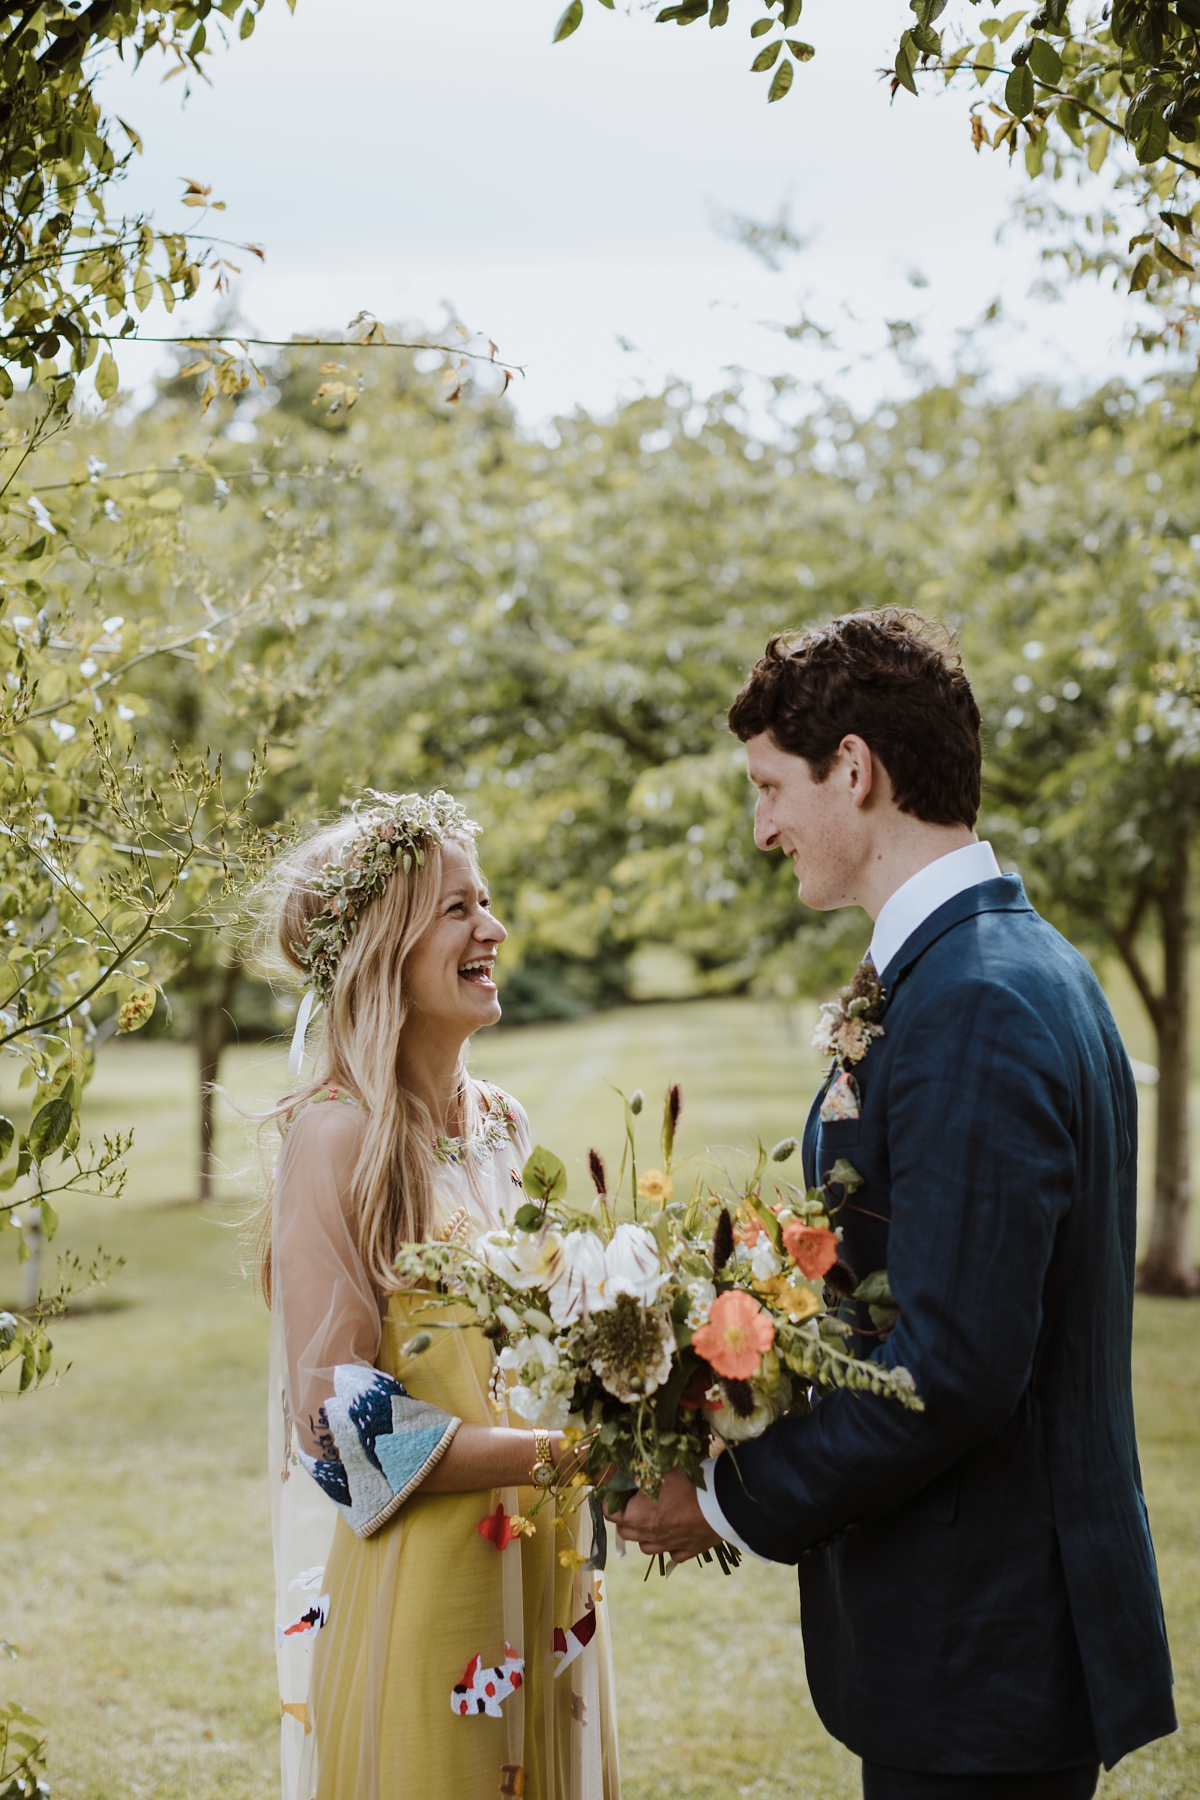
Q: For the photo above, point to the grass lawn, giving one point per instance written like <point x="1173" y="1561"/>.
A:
<point x="134" y="1524"/>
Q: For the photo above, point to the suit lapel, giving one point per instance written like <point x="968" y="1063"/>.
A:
<point x="1004" y="893"/>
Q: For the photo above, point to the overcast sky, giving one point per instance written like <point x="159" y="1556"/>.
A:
<point x="392" y="154"/>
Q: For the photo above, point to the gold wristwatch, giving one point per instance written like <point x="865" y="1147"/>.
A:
<point x="543" y="1473"/>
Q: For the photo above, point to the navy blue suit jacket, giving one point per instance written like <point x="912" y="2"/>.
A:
<point x="988" y="1600"/>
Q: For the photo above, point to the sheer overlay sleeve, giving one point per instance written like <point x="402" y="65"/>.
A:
<point x="365" y="1441"/>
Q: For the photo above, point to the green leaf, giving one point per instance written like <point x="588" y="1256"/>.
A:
<point x="50" y="1127"/>
<point x="1098" y="150"/>
<point x="1068" y="117"/>
<point x="926" y="40"/>
<point x="49" y="1219"/>
<point x="1143" y="269"/>
<point x="7" y="1134"/>
<point x="107" y="378"/>
<point x="1007" y="26"/>
<point x="874" y="1289"/>
<point x="6" y="386"/>
<point x="904" y="65"/>
<point x="985" y="61"/>
<point x="1018" y="92"/>
<point x="1153" y="141"/>
<point x="1178" y="265"/>
<point x="247" y="24"/>
<point x="781" y="81"/>
<point x="1045" y="62"/>
<point x="790" y="16"/>
<point x="544" y="1177"/>
<point x="766" y="57"/>
<point x="1180" y="222"/>
<point x="529" y="1218"/>
<point x="760" y="26"/>
<point x="719" y="14"/>
<point x="845" y="1175"/>
<point x="801" y="51"/>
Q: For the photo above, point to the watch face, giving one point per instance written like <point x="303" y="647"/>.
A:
<point x="543" y="1475"/>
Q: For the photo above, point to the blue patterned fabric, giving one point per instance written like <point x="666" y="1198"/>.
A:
<point x="386" y="1444"/>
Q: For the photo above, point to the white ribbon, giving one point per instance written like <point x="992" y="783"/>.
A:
<point x="308" y="1006"/>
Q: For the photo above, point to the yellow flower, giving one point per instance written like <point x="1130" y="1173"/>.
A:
<point x="656" y="1186"/>
<point x="572" y="1559"/>
<point x="796" y="1302"/>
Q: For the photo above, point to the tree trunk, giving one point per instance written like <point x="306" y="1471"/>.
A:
<point x="213" y="1030"/>
<point x="1168" y="1267"/>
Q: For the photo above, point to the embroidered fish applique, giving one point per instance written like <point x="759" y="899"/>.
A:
<point x="842" y="1099"/>
<point x="572" y="1643"/>
<point x="481" y="1689"/>
<point x="500" y="1528"/>
<point x="308" y="1624"/>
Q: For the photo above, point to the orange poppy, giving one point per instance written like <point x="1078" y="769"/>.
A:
<point x="812" y="1248"/>
<point x="738" y="1333"/>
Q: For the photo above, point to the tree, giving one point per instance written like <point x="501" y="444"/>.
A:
<point x="1079" y="84"/>
<point x="556" y="631"/>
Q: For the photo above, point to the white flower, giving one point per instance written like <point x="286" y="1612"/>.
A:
<point x="524" y="1259"/>
<point x="545" y="1403"/>
<point x="767" y="1408"/>
<point x="763" y="1260"/>
<point x="635" y="1350"/>
<point x="632" y="1266"/>
<point x="578" y="1285"/>
<point x="702" y="1293"/>
<point x="533" y="1356"/>
<point x="826" y="1032"/>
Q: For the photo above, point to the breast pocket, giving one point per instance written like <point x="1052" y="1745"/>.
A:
<point x="837" y="1139"/>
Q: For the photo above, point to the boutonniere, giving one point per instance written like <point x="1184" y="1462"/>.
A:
<point x="850" y="1023"/>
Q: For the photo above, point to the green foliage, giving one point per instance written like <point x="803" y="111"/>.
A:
<point x="22" y="1754"/>
<point x="1080" y="81"/>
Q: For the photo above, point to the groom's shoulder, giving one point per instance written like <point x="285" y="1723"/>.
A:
<point x="1001" y="948"/>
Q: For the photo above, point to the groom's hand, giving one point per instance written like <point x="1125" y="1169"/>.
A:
<point x="672" y="1525"/>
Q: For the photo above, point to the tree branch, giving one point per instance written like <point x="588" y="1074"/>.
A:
<point x="1125" y="938"/>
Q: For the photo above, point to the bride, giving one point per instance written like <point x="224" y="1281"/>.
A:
<point x="423" y="1621"/>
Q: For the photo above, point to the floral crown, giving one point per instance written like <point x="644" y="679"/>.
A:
<point x="394" y="834"/>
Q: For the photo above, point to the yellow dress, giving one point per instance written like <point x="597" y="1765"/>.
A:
<point x="411" y="1606"/>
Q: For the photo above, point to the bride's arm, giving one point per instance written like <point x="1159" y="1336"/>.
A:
<point x="366" y="1441"/>
<point x="485" y="1456"/>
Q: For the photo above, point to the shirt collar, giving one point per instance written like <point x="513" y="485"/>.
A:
<point x="922" y="894"/>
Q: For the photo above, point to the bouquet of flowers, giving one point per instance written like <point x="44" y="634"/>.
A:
<point x="654" y="1325"/>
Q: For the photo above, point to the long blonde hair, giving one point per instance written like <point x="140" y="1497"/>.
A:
<point x="358" y="1036"/>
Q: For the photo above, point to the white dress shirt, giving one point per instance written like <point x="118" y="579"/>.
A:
<point x="905" y="912"/>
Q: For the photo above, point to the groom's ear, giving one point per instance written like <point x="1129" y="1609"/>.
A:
<point x="858" y="767"/>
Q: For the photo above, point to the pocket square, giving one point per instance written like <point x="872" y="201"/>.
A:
<point x="841" y="1099"/>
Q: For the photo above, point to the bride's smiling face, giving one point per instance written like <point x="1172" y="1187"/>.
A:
<point x="449" y="975"/>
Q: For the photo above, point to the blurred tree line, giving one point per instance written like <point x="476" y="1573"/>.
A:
<point x="553" y="627"/>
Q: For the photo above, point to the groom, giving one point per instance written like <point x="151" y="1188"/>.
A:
<point x="980" y="1602"/>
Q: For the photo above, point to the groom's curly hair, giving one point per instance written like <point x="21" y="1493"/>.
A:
<point x="891" y="677"/>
